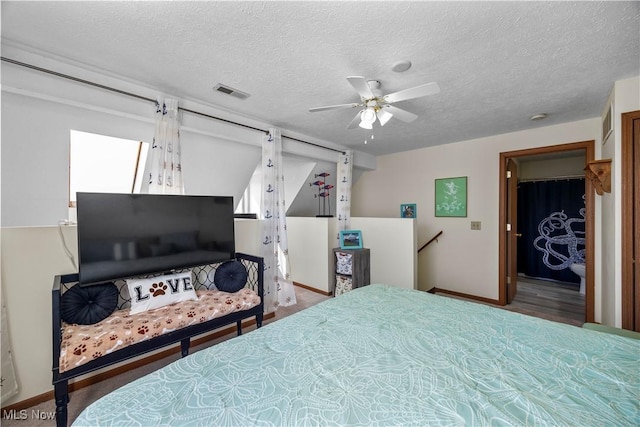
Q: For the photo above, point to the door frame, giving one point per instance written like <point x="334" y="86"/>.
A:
<point x="511" y="213"/>
<point x="589" y="151"/>
<point x="630" y="282"/>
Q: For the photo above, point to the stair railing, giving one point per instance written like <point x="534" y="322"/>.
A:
<point x="430" y="241"/>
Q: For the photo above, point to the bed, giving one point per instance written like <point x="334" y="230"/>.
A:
<point x="381" y="355"/>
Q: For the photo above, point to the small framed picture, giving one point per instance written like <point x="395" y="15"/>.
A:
<point x="351" y="239"/>
<point x="408" y="210"/>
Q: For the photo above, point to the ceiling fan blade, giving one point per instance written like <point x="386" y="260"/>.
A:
<point x="333" y="107"/>
<point x="355" y="122"/>
<point x="403" y="115"/>
<point x="414" y="92"/>
<point x="361" y="86"/>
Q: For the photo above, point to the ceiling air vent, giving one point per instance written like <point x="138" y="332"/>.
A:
<point x="230" y="91"/>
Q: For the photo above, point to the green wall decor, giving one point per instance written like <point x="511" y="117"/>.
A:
<point x="451" y="197"/>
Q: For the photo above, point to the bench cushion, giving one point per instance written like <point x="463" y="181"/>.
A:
<point x="83" y="343"/>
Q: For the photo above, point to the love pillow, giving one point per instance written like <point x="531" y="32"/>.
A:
<point x="156" y="292"/>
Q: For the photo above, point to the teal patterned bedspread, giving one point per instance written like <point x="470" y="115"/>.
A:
<point x="385" y="356"/>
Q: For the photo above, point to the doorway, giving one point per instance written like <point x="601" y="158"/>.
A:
<point x="509" y="233"/>
<point x="630" y="167"/>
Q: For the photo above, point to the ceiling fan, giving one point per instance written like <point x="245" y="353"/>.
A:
<point x="375" y="105"/>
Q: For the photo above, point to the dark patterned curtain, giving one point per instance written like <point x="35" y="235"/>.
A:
<point x="551" y="217"/>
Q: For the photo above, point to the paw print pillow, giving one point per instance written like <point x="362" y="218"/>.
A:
<point x="155" y="292"/>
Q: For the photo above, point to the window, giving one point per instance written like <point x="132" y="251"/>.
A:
<point x="250" y="200"/>
<point x="104" y="164"/>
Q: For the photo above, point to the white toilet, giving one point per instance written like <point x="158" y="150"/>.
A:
<point x="580" y="270"/>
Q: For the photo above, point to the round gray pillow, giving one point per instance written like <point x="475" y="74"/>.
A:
<point x="231" y="276"/>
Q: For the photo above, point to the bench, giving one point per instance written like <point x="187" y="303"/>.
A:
<point x="202" y="282"/>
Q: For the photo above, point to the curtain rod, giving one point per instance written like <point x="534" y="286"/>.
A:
<point x="554" y="178"/>
<point x="144" y="98"/>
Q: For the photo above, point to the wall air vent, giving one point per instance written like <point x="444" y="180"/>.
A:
<point x="230" y="91"/>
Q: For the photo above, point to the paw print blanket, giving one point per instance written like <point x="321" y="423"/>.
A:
<point x="83" y="343"/>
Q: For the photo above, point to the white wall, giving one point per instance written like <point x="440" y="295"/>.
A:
<point x="31" y="257"/>
<point x="35" y="158"/>
<point x="298" y="194"/>
<point x="247" y="233"/>
<point x="561" y="166"/>
<point x="39" y="110"/>
<point x="625" y="97"/>
<point x="306" y="200"/>
<point x="392" y="244"/>
<point x="462" y="260"/>
<point x="310" y="245"/>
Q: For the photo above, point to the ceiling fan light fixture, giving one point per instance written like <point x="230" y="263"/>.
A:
<point x="367" y="117"/>
<point x="384" y="116"/>
<point x="375" y="105"/>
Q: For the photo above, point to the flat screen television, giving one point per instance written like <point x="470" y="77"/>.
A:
<point x="125" y="235"/>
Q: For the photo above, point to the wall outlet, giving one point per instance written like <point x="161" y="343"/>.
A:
<point x="475" y="225"/>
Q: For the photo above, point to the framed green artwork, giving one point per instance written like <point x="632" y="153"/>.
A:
<point x="451" y="197"/>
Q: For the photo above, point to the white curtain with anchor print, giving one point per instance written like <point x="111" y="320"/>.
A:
<point x="8" y="382"/>
<point x="279" y="289"/>
<point x="343" y="191"/>
<point x="164" y="162"/>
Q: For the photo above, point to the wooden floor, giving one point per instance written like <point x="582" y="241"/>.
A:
<point x="556" y="301"/>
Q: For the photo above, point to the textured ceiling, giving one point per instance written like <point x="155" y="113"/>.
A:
<point x="497" y="63"/>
